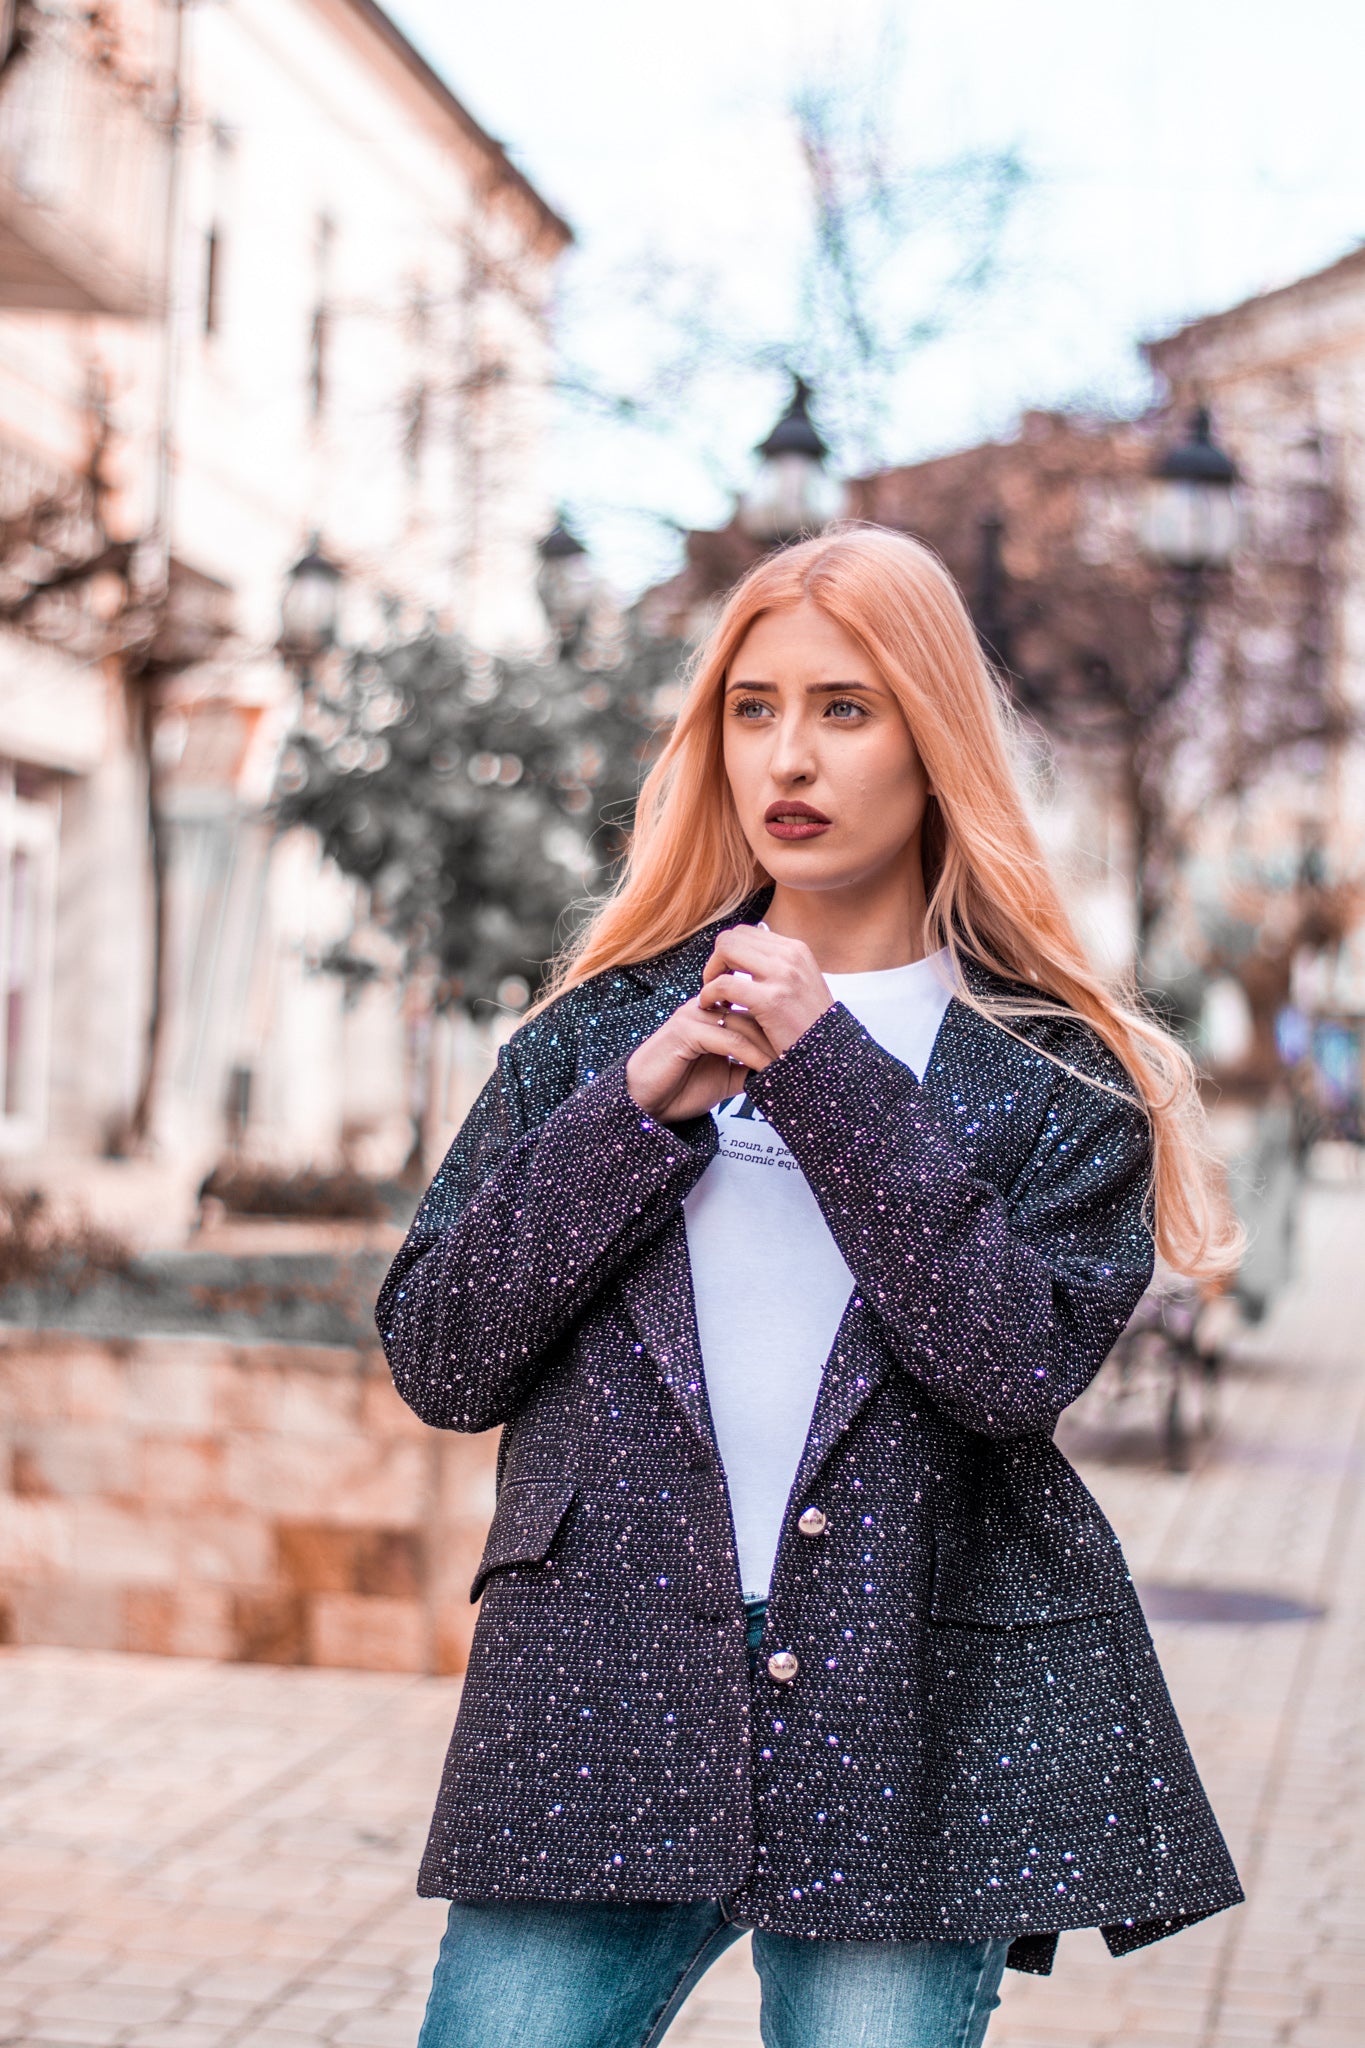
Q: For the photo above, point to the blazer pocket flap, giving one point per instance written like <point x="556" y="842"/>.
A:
<point x="525" y="1524"/>
<point x="1022" y="1579"/>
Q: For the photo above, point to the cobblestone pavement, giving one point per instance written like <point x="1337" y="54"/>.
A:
<point x="197" y="1856"/>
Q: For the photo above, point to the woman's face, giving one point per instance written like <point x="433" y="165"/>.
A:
<point x="827" y="781"/>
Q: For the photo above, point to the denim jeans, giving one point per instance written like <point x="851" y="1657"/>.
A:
<point x="561" y="1976"/>
<point x="544" y="1975"/>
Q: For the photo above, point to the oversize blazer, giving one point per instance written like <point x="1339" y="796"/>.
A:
<point x="964" y="1732"/>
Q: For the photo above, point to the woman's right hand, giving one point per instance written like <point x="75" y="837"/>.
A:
<point x="695" y="1060"/>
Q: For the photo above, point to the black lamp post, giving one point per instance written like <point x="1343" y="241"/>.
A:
<point x="793" y="493"/>
<point x="1191" y="522"/>
<point x="566" y="583"/>
<point x="310" y="609"/>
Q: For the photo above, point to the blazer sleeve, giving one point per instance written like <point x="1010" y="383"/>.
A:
<point x="1003" y="1307"/>
<point x="524" y="1224"/>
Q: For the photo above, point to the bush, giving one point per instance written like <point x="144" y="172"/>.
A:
<point x="37" y="1245"/>
<point x="341" y="1197"/>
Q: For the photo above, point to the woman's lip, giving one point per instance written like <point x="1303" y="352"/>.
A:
<point x="796" y="825"/>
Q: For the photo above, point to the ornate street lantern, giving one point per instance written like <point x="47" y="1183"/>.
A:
<point x="310" y="607"/>
<point x="1192" y="519"/>
<point x="566" y="581"/>
<point x="793" y="493"/>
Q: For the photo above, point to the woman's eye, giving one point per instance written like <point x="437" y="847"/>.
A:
<point x="846" y="710"/>
<point x="750" y="707"/>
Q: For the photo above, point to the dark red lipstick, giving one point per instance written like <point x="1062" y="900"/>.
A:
<point x="789" y="818"/>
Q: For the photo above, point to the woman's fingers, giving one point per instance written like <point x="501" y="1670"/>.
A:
<point x="695" y="1059"/>
<point x="774" y="977"/>
<point x="728" y="988"/>
<point x="751" y="949"/>
<point x="730" y="1033"/>
<point x="731" y="1038"/>
<point x="743" y="947"/>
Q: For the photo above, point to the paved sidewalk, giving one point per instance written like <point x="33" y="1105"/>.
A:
<point x="201" y="1856"/>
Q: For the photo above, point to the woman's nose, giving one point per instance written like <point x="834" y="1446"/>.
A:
<point x="793" y="757"/>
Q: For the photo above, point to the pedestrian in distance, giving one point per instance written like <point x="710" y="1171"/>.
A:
<point x="818" y="1186"/>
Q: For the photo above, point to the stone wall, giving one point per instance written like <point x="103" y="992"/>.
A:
<point x="274" y="1503"/>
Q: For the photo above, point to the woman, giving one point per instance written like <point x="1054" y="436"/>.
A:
<point x="779" y="1241"/>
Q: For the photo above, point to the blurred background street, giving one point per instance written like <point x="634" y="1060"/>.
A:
<point x="388" y="398"/>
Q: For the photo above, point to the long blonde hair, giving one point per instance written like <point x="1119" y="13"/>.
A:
<point x="992" y="899"/>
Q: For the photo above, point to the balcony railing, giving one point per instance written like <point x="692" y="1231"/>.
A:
<point x="83" y="165"/>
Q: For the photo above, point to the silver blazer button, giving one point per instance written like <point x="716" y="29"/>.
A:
<point x="813" y="1522"/>
<point x="782" y="1666"/>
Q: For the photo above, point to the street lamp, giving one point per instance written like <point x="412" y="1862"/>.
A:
<point x="1191" y="520"/>
<point x="793" y="493"/>
<point x="566" y="582"/>
<point x="310" y="607"/>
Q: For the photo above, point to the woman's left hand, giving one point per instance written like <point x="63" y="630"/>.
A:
<point x="775" y="979"/>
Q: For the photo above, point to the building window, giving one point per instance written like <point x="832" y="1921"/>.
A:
<point x="28" y="849"/>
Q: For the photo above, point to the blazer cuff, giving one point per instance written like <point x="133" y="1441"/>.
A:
<point x="617" y="1124"/>
<point x="823" y="1052"/>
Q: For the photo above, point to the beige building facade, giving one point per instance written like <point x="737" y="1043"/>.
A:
<point x="263" y="279"/>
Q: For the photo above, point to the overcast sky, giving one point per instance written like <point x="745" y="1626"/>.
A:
<point x="1183" y="154"/>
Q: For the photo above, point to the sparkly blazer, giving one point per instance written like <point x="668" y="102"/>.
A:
<point x="957" y="1727"/>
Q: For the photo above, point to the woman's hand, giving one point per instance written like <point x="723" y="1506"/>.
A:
<point x="774" y="979"/>
<point x="695" y="1060"/>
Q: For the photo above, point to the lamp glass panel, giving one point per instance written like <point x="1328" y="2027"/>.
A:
<point x="792" y="493"/>
<point x="565" y="585"/>
<point x="308" y="611"/>
<point x="1191" y="525"/>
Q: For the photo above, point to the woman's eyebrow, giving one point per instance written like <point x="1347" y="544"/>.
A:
<point x="739" y="683"/>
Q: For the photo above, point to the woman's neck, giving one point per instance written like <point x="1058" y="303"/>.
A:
<point x="856" y="930"/>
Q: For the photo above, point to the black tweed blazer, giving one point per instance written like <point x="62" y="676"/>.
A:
<point x="964" y="1732"/>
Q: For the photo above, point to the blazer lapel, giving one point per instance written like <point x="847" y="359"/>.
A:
<point x="657" y="1288"/>
<point x="858" y="1362"/>
<point x="856" y="1366"/>
<point x="657" y="1291"/>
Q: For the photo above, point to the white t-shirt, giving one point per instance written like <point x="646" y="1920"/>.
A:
<point x="771" y="1285"/>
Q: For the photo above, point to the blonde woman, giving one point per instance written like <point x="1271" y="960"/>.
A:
<point x="785" y="1231"/>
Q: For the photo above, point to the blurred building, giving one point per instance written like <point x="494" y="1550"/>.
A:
<point x="262" y="278"/>
<point x="1277" y="872"/>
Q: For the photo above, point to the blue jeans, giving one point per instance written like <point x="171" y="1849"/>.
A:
<point x="561" y="1976"/>
<point x="544" y="1975"/>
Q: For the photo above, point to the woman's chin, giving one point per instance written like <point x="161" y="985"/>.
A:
<point x="800" y="863"/>
<point x="790" y="869"/>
